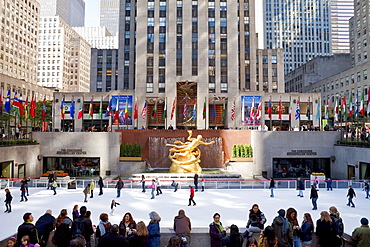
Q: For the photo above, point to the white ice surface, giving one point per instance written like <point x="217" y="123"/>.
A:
<point x="233" y="205"/>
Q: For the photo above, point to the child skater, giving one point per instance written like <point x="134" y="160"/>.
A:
<point x="112" y="205"/>
<point x="8" y="201"/>
<point x="26" y="242"/>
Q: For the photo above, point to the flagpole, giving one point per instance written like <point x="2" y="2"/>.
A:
<point x="234" y="113"/>
<point x="165" y="119"/>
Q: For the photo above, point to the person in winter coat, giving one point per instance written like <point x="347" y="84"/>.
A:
<point x="139" y="236"/>
<point x="113" y="204"/>
<point x="325" y="230"/>
<point x="174" y="184"/>
<point x="103" y="227"/>
<point x="366" y="189"/>
<point x="75" y="213"/>
<point x="127" y="224"/>
<point x="62" y="234"/>
<point x="158" y="186"/>
<point x="268" y="238"/>
<point x="119" y="186"/>
<point x="300" y="187"/>
<point x="92" y="187"/>
<point x="283" y="229"/>
<point x="54" y="187"/>
<point x="329" y="183"/>
<point x="142" y="181"/>
<point x="191" y="198"/>
<point x="256" y="221"/>
<point x="361" y="235"/>
<point x="196" y="181"/>
<point x="338" y="225"/>
<point x="27" y="228"/>
<point x="83" y="226"/>
<point x="314" y="196"/>
<point x="291" y="215"/>
<point x="235" y="239"/>
<point x="86" y="192"/>
<point x="113" y="239"/>
<point x="306" y="230"/>
<point x="101" y="185"/>
<point x="8" y="201"/>
<point x="44" y="225"/>
<point x="351" y="193"/>
<point x="154" y="236"/>
<point x="153" y="187"/>
<point x="272" y="186"/>
<point x="182" y="227"/>
<point x="23" y="191"/>
<point x="216" y="231"/>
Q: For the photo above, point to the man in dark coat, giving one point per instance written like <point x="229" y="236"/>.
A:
<point x="300" y="187"/>
<point x="314" y="196"/>
<point x="119" y="186"/>
<point x="27" y="228"/>
<point x="283" y="229"/>
<point x="351" y="193"/>
<point x="196" y="181"/>
<point x="51" y="179"/>
<point x="83" y="226"/>
<point x="113" y="238"/>
<point x="182" y="227"/>
<point x="44" y="225"/>
<point x="361" y="235"/>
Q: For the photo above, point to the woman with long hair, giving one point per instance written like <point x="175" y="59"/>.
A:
<point x="126" y="224"/>
<point x="338" y="225"/>
<point x="306" y="231"/>
<point x="154" y="239"/>
<point x="256" y="221"/>
<point x="325" y="231"/>
<point x="139" y="236"/>
<point x="75" y="213"/>
<point x="268" y="238"/>
<point x="62" y="234"/>
<point x="291" y="215"/>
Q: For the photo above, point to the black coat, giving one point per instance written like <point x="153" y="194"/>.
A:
<point x="8" y="197"/>
<point x="325" y="232"/>
<point x="137" y="241"/>
<point x="314" y="193"/>
<point x="113" y="239"/>
<point x="300" y="185"/>
<point x="27" y="228"/>
<point x="45" y="224"/>
<point x="119" y="184"/>
<point x="87" y="227"/>
<point x="272" y="184"/>
<point x="351" y="193"/>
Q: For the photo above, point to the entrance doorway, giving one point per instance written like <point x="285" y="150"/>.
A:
<point x="74" y="166"/>
<point x="364" y="170"/>
<point x="351" y="172"/>
<point x="298" y="167"/>
<point x="21" y="171"/>
<point x="6" y="169"/>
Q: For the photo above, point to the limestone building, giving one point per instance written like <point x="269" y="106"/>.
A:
<point x="109" y="15"/>
<point x="98" y="37"/>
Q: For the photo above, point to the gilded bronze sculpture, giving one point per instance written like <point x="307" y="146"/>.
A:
<point x="185" y="157"/>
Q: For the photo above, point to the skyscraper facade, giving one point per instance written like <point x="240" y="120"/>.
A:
<point x="301" y="28"/>
<point x="71" y="11"/>
<point x="109" y="15"/>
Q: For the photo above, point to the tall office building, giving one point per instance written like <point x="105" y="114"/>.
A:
<point x="71" y="11"/>
<point x="98" y="37"/>
<point x="109" y="14"/>
<point x="341" y="12"/>
<point x="301" y="28"/>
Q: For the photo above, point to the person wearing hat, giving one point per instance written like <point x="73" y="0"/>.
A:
<point x="283" y="229"/>
<point x="113" y="238"/>
<point x="361" y="235"/>
<point x="191" y="199"/>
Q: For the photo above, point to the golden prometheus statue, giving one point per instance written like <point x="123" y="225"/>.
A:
<point x="185" y="157"/>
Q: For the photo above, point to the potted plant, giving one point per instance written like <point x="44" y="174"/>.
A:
<point x="241" y="152"/>
<point x="130" y="152"/>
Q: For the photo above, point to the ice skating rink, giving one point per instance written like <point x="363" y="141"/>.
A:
<point x="232" y="204"/>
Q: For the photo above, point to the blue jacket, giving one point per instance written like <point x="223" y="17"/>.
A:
<point x="306" y="231"/>
<point x="154" y="239"/>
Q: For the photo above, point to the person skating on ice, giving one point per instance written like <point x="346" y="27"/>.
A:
<point x="191" y="198"/>
<point x="92" y="187"/>
<point x="158" y="186"/>
<point x="101" y="185"/>
<point x="351" y="193"/>
<point x="112" y="206"/>
<point x="175" y="185"/>
<point x="152" y="186"/>
<point x="8" y="201"/>
<point x="142" y="181"/>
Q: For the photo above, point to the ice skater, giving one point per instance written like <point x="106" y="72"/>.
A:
<point x="191" y="199"/>
<point x="366" y="189"/>
<point x="314" y="196"/>
<point x="152" y="186"/>
<point x="23" y="192"/>
<point x="272" y="186"/>
<point x="202" y="184"/>
<point x="54" y="186"/>
<point x="8" y="201"/>
<point x="119" y="186"/>
<point x="158" y="186"/>
<point x="329" y="183"/>
<point x="92" y="187"/>
<point x="112" y="206"/>
<point x="300" y="187"/>
<point x="86" y="191"/>
<point x="351" y="193"/>
<point x="316" y="182"/>
<point x="174" y="184"/>
<point x="142" y="181"/>
<point x="196" y="181"/>
<point x="101" y="185"/>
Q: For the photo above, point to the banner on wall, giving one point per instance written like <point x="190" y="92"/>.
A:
<point x="250" y="114"/>
<point x="125" y="109"/>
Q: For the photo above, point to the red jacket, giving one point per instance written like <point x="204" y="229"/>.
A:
<point x="191" y="192"/>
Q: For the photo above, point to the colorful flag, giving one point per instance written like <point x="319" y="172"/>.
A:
<point x="100" y="114"/>
<point x="62" y="109"/>
<point x="26" y="115"/>
<point x="327" y="109"/>
<point x="109" y="110"/>
<point x="204" y="110"/>
<point x="269" y="109"/>
<point x="7" y="102"/>
<point x="280" y="110"/>
<point x="143" y="111"/>
<point x="336" y="110"/>
<point x="1" y="103"/>
<point x="350" y="106"/>
<point x="80" y="111"/>
<point x="136" y="109"/>
<point x="318" y="110"/>
<point x="91" y="111"/>
<point x="243" y="108"/>
<point x="126" y="109"/>
<point x="233" y="111"/>
<point x="165" y="109"/>
<point x="308" y="114"/>
<point x="195" y="110"/>
<point x="297" y="110"/>
<point x="344" y="107"/>
<point x="116" y="112"/>
<point x="362" y="104"/>
<point x="173" y="108"/>
<point x="290" y="108"/>
<point x="214" y="115"/>
<point x="43" y="109"/>
<point x="356" y="105"/>
<point x="16" y="105"/>
<point x="251" y="116"/>
<point x="33" y="107"/>
<point x="368" y="101"/>
<point x="21" y="107"/>
<point x="259" y="110"/>
<point x="72" y="108"/>
<point x="154" y="111"/>
<point x="184" y="109"/>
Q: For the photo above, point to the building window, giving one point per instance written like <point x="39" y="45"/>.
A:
<point x="358" y="76"/>
<point x="365" y="74"/>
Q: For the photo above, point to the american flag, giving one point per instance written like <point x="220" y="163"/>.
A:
<point x="233" y="111"/>
<point x="143" y="112"/>
<point x="184" y="110"/>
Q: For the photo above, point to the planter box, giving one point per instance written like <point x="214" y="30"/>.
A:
<point x="242" y="159"/>
<point x="130" y="158"/>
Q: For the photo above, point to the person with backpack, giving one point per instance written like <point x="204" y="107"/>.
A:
<point x="83" y="226"/>
<point x="119" y="186"/>
<point x="338" y="225"/>
<point x="283" y="229"/>
<point x="103" y="227"/>
<point x="306" y="230"/>
<point x="325" y="231"/>
<point x="62" y="234"/>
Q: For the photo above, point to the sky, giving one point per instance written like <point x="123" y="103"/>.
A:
<point x="232" y="204"/>
<point x="91" y="13"/>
